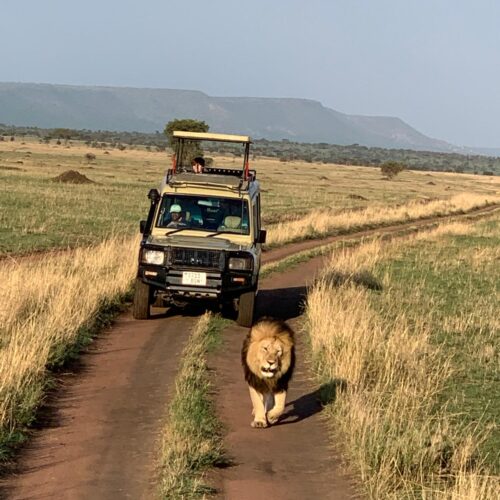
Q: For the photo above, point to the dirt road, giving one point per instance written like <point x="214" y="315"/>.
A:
<point x="98" y="435"/>
<point x="292" y="460"/>
<point x="98" y="432"/>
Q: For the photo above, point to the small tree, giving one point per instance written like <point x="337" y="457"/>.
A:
<point x="390" y="169"/>
<point x="191" y="149"/>
<point x="62" y="133"/>
<point x="90" y="157"/>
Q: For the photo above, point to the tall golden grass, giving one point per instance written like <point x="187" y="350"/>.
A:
<point x="384" y="375"/>
<point x="46" y="304"/>
<point x="323" y="222"/>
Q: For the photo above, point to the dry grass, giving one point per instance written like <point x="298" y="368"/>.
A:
<point x="320" y="222"/>
<point x="294" y="188"/>
<point x="386" y="375"/>
<point x="47" y="307"/>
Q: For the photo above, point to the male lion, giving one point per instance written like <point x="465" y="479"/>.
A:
<point x="268" y="358"/>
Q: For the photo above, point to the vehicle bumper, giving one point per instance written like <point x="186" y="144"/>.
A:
<point x="218" y="285"/>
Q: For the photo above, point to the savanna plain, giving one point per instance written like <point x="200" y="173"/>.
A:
<point x="404" y="332"/>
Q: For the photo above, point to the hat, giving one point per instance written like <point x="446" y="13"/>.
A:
<point x="175" y="208"/>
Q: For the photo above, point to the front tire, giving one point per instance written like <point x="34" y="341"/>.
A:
<point x="246" y="307"/>
<point x="142" y="300"/>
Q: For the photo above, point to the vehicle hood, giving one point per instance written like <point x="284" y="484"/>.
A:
<point x="214" y="243"/>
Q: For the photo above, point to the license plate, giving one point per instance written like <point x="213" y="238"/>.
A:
<point x="191" y="278"/>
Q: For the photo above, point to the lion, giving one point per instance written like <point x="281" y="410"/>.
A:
<point x="268" y="359"/>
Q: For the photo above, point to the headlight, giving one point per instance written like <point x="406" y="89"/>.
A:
<point x="155" y="257"/>
<point x="241" y="263"/>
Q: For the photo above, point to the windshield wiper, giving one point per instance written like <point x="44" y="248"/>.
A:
<point x="176" y="230"/>
<point x="221" y="232"/>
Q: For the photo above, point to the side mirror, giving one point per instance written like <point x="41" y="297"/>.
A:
<point x="154" y="195"/>
<point x="142" y="226"/>
<point x="261" y="238"/>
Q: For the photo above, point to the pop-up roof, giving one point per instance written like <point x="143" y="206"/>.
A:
<point x="206" y="136"/>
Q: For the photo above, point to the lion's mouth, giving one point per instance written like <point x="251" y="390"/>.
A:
<point x="268" y="372"/>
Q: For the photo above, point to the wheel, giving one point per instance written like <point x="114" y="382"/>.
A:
<point x="142" y="300"/>
<point x="246" y="309"/>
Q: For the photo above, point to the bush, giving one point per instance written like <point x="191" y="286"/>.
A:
<point x="390" y="169"/>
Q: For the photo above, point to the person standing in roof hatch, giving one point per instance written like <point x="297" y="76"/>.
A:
<point x="198" y="165"/>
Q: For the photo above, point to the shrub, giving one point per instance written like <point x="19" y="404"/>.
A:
<point x="390" y="169"/>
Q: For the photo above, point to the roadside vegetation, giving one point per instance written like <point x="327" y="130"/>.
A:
<point x="50" y="307"/>
<point x="321" y="223"/>
<point x="406" y="334"/>
<point x="191" y="437"/>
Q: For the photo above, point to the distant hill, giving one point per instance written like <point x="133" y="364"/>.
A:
<point x="147" y="110"/>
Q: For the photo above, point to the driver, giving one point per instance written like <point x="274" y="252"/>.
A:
<point x="176" y="217"/>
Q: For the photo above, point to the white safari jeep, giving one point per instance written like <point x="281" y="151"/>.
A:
<point x="202" y="238"/>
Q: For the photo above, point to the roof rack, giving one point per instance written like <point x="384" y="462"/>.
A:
<point x="215" y="177"/>
<point x="252" y="174"/>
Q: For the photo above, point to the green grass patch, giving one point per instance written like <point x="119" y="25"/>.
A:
<point x="452" y="283"/>
<point x="37" y="214"/>
<point x="192" y="438"/>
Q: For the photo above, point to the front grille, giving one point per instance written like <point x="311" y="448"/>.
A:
<point x="192" y="257"/>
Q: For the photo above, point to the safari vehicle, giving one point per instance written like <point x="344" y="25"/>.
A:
<point x="202" y="238"/>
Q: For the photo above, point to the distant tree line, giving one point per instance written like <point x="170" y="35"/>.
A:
<point x="284" y="150"/>
<point x="93" y="138"/>
<point x="361" y="155"/>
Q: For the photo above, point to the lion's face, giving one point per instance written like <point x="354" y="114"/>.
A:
<point x="269" y="353"/>
<point x="269" y="357"/>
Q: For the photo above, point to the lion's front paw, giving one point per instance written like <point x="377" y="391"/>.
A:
<point x="259" y="424"/>
<point x="273" y="416"/>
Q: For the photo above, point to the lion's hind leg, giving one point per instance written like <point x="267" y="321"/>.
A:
<point x="279" y="407"/>
<point x="259" y="409"/>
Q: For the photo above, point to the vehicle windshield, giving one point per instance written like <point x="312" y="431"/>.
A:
<point x="203" y="213"/>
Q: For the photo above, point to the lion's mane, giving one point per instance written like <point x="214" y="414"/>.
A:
<point x="268" y="329"/>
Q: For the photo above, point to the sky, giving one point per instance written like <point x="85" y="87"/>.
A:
<point x="433" y="63"/>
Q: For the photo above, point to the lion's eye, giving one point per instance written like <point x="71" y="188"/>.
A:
<point x="264" y="347"/>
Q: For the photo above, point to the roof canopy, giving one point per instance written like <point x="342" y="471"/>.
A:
<point x="205" y="136"/>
